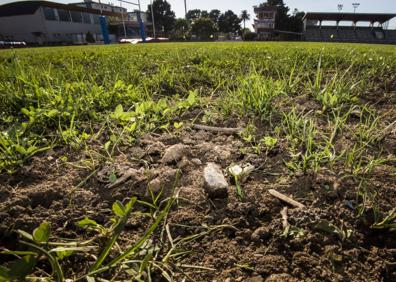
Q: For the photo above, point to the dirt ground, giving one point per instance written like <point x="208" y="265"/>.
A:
<point x="253" y="249"/>
<point x="251" y="245"/>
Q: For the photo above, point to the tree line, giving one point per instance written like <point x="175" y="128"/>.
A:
<point x="205" y="24"/>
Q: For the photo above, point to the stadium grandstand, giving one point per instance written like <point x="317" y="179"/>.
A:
<point x="317" y="27"/>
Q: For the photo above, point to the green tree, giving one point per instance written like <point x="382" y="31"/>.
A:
<point x="180" y="30"/>
<point x="214" y="15"/>
<point x="229" y="22"/>
<point x="204" y="28"/>
<point x="248" y="35"/>
<point x="204" y="14"/>
<point x="164" y="17"/>
<point x="193" y="14"/>
<point x="296" y="21"/>
<point x="245" y="17"/>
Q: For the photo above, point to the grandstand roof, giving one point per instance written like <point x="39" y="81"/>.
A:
<point x="352" y="17"/>
<point x="30" y="7"/>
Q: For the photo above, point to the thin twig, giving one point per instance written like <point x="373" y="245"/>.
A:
<point x="224" y="130"/>
<point x="285" y="199"/>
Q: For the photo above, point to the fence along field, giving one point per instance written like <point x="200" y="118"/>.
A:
<point x="102" y="162"/>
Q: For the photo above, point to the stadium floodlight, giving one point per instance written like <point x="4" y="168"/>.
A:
<point x="340" y="7"/>
<point x="355" y="6"/>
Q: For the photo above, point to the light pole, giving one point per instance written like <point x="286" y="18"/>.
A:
<point x="355" y="6"/>
<point x="123" y="22"/>
<point x="185" y="8"/>
<point x="152" y="17"/>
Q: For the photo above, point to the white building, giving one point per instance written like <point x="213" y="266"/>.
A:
<point x="43" y="22"/>
<point x="264" y="24"/>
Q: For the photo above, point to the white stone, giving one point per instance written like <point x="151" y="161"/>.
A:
<point x="215" y="183"/>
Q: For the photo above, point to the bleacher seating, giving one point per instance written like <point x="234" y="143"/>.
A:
<point x="350" y="34"/>
<point x="390" y="35"/>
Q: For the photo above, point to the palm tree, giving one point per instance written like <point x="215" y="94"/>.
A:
<point x="245" y="17"/>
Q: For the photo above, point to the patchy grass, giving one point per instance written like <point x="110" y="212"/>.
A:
<point x="320" y="112"/>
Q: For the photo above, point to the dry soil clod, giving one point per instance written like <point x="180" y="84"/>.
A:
<point x="174" y="153"/>
<point x="124" y="178"/>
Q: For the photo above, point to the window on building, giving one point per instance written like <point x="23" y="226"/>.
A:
<point x="64" y="15"/>
<point x="76" y="16"/>
<point x="266" y="15"/>
<point x="95" y="19"/>
<point x="87" y="18"/>
<point x="49" y="14"/>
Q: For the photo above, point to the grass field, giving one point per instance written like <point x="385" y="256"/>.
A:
<point x="85" y="192"/>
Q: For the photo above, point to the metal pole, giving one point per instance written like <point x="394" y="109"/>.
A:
<point x="100" y="7"/>
<point x="152" y="18"/>
<point x="123" y="22"/>
<point x="355" y="6"/>
<point x="185" y="8"/>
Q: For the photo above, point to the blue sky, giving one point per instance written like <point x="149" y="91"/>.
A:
<point x="379" y="6"/>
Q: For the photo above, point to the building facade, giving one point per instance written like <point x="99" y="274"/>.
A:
<point x="101" y="6"/>
<point x="43" y="22"/>
<point x="133" y="16"/>
<point x="264" y="24"/>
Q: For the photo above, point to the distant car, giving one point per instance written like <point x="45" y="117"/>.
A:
<point x="236" y="38"/>
<point x="12" y="44"/>
<point x="139" y="40"/>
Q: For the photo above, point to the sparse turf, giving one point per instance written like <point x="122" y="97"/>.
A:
<point x="83" y="130"/>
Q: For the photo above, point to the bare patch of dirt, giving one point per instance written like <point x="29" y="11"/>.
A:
<point x="256" y="248"/>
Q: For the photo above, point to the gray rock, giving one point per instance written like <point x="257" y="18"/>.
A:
<point x="174" y="153"/>
<point x="215" y="183"/>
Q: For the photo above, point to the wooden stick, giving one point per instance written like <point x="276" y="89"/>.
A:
<point x="224" y="130"/>
<point x="285" y="199"/>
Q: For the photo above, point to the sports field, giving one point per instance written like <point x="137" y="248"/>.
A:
<point x="113" y="161"/>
